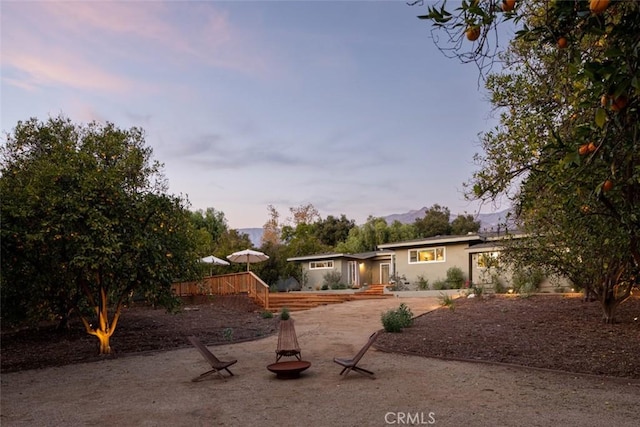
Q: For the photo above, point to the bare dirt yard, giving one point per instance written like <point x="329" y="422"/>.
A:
<point x="545" y="331"/>
<point x="590" y="372"/>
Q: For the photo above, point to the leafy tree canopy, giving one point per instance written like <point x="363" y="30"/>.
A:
<point x="86" y="225"/>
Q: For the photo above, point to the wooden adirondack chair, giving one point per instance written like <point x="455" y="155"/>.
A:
<point x="216" y="364"/>
<point x="351" y="364"/>
<point x="287" y="341"/>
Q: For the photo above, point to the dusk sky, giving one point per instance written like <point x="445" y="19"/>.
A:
<point x="347" y="105"/>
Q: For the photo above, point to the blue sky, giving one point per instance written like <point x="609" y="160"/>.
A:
<point x="347" y="105"/>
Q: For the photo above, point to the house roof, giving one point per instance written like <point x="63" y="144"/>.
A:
<point x="334" y="255"/>
<point x="485" y="247"/>
<point x="436" y="240"/>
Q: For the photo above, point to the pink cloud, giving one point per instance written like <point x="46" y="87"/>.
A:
<point x="96" y="45"/>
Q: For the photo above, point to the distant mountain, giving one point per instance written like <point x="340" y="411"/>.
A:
<point x="488" y="222"/>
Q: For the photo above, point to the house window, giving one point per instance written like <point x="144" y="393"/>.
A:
<point x="488" y="259"/>
<point x="317" y="265"/>
<point x="426" y="255"/>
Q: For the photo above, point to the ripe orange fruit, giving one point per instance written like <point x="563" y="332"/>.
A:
<point x="604" y="101"/>
<point x="473" y="33"/>
<point x="598" y="6"/>
<point x="562" y="42"/>
<point x="607" y="186"/>
<point x="592" y="147"/>
<point x="619" y="103"/>
<point x="508" y="5"/>
<point x="584" y="149"/>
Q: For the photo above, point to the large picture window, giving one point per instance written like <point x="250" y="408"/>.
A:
<point x="488" y="259"/>
<point x="426" y="255"/>
<point x="317" y="265"/>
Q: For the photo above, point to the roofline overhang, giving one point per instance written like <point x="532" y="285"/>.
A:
<point x="432" y="241"/>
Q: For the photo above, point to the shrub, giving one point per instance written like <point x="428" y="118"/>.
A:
<point x="396" y="320"/>
<point x="284" y="314"/>
<point x="228" y="334"/>
<point x="455" y="277"/>
<point x="398" y="283"/>
<point x="527" y="281"/>
<point x="339" y="286"/>
<point x="392" y="321"/>
<point x="446" y="301"/>
<point x="477" y="290"/>
<point x="331" y="279"/>
<point x="324" y="287"/>
<point x="423" y="284"/>
<point x="266" y="314"/>
<point x="498" y="285"/>
<point x="440" y="285"/>
<point x="406" y="315"/>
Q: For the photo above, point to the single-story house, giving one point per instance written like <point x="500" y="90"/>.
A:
<point x="356" y="270"/>
<point x="477" y="255"/>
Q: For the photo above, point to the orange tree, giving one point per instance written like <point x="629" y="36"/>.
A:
<point x="567" y="148"/>
<point x="86" y="225"/>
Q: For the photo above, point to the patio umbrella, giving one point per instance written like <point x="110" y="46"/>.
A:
<point x="213" y="260"/>
<point x="249" y="256"/>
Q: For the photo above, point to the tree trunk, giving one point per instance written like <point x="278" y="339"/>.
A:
<point x="103" y="341"/>
<point x="609" y="311"/>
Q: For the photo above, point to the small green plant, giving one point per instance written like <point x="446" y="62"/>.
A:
<point x="477" y="290"/>
<point x="406" y="315"/>
<point x="284" y="314"/>
<point x="527" y="282"/>
<point x="227" y="334"/>
<point x="423" y="284"/>
<point x="331" y="280"/>
<point x="498" y="284"/>
<point x="396" y="320"/>
<point x="440" y="285"/>
<point x="455" y="277"/>
<point x="392" y="321"/>
<point x="446" y="301"/>
<point x="324" y="287"/>
<point x="266" y="314"/>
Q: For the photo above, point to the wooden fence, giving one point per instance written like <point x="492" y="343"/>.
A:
<point x="226" y="284"/>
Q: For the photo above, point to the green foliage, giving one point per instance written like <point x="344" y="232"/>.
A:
<point x="464" y="224"/>
<point x="333" y="280"/>
<point x="266" y="314"/>
<point x="455" y="277"/>
<point x="398" y="282"/>
<point x="434" y="223"/>
<point x="284" y="314"/>
<point x="87" y="223"/>
<point x="566" y="149"/>
<point x="527" y="281"/>
<point x="440" y="284"/>
<point x="423" y="284"/>
<point x="396" y="320"/>
<point x="406" y="314"/>
<point x="227" y="334"/>
<point x="477" y="290"/>
<point x="498" y="284"/>
<point x="446" y="301"/>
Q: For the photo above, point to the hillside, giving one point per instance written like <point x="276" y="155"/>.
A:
<point x="488" y="222"/>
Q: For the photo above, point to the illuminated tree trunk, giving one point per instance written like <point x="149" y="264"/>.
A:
<point x="105" y="329"/>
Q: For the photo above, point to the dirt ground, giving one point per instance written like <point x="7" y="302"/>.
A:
<point x="152" y="387"/>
